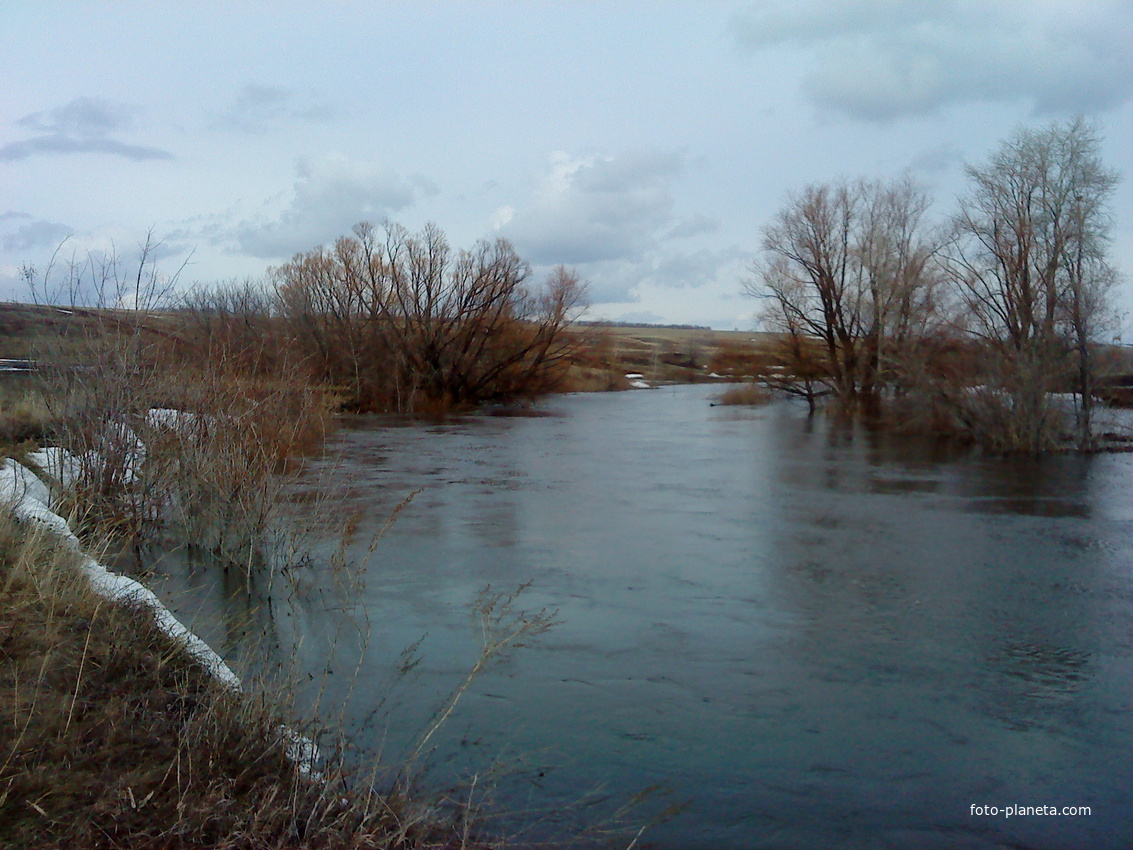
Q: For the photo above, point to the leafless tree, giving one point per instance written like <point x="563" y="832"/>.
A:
<point x="1029" y="261"/>
<point x="102" y="280"/>
<point x="848" y="279"/>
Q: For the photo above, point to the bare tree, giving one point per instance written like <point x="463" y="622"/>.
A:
<point x="848" y="279"/>
<point x="1029" y="261"/>
<point x="410" y="324"/>
<point x="101" y="280"/>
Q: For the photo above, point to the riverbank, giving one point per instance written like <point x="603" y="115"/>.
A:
<point x="127" y="731"/>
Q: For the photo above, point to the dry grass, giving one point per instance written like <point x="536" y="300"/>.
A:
<point x="605" y="353"/>
<point x="24" y="410"/>
<point x="112" y="737"/>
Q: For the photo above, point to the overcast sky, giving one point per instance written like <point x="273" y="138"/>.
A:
<point x="644" y="143"/>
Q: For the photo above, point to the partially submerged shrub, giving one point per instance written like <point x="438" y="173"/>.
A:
<point x="744" y="394"/>
<point x="209" y="468"/>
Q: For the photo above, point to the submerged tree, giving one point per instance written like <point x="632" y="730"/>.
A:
<point x="848" y="282"/>
<point x="1028" y="260"/>
<point x="406" y="323"/>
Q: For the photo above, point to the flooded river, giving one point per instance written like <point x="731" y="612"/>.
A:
<point x="811" y="637"/>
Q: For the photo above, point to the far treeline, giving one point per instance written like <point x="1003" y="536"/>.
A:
<point x="989" y="326"/>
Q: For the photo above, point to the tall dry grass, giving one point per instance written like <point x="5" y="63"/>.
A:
<point x="113" y="737"/>
<point x="25" y="414"/>
<point x="197" y="453"/>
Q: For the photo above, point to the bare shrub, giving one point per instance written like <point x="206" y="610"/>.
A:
<point x="750" y="394"/>
<point x="404" y="323"/>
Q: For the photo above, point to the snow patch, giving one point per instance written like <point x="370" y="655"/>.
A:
<point x="31" y="501"/>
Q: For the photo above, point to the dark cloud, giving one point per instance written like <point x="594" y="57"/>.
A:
<point x="31" y="233"/>
<point x="83" y="116"/>
<point x="331" y="195"/>
<point x="263" y="109"/>
<point x="82" y="126"/>
<point x="595" y="208"/>
<point x="879" y="60"/>
<point x="15" y="151"/>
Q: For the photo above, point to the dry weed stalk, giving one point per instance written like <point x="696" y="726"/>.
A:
<point x="502" y="629"/>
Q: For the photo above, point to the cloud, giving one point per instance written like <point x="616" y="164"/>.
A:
<point x="81" y="126"/>
<point x="331" y="195"/>
<point x="595" y="208"/>
<point x="611" y="216"/>
<point x="262" y="109"/>
<point x="15" y="151"/>
<point x="681" y="270"/>
<point x="622" y="281"/>
<point x="936" y="160"/>
<point x="83" y="116"/>
<point x="31" y="233"/>
<point x="879" y="60"/>
<point x="640" y="317"/>
<point x="694" y="225"/>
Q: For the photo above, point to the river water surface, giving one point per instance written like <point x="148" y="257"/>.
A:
<point x="812" y="637"/>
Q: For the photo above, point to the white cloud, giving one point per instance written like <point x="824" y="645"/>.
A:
<point x="680" y="270"/>
<point x="596" y="208"/>
<point x="880" y="60"/>
<point x="330" y="195"/>
<point x="502" y="216"/>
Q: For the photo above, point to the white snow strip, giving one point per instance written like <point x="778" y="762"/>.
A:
<point x="166" y="417"/>
<point x="31" y="500"/>
<point x="301" y="750"/>
<point x="60" y="465"/>
<point x="20" y="487"/>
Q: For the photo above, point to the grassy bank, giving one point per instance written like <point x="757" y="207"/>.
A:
<point x="113" y="737"/>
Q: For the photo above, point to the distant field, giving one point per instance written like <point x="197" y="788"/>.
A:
<point x="56" y="335"/>
<point x="670" y="355"/>
<point x="604" y="354"/>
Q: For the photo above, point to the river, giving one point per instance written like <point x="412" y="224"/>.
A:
<point x="807" y="635"/>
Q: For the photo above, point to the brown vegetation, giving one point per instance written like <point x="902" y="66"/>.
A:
<point x="404" y="323"/>
<point x="750" y="395"/>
